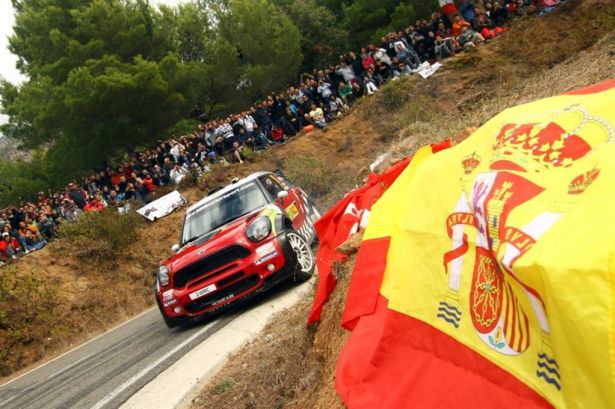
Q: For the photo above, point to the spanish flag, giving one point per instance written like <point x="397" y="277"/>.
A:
<point x="486" y="276"/>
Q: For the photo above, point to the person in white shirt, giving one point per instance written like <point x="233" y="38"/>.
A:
<point x="380" y="55"/>
<point x="175" y="149"/>
<point x="324" y="89"/>
<point x="178" y="173"/>
<point x="345" y="71"/>
<point x="370" y="87"/>
<point x="248" y="122"/>
<point x="337" y="106"/>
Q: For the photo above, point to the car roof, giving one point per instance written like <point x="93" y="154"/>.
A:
<point x="227" y="188"/>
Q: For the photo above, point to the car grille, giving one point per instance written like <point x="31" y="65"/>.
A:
<point x="209" y="264"/>
<point x="230" y="291"/>
<point x="230" y="279"/>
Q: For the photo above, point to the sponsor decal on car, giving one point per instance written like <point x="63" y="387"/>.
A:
<point x="266" y="258"/>
<point x="169" y="303"/>
<point x="266" y="252"/>
<point x="203" y="291"/>
<point x="292" y="211"/>
<point x="167" y="295"/>
<point x="221" y="300"/>
<point x="265" y="249"/>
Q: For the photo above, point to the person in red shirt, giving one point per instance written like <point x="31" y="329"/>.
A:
<point x="95" y="205"/>
<point x="116" y="177"/>
<point x="448" y="7"/>
<point x="148" y="182"/>
<point x="8" y="247"/>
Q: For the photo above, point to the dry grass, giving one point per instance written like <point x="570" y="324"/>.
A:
<point x="316" y="386"/>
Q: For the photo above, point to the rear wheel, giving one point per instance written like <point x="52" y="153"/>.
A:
<point x="304" y="257"/>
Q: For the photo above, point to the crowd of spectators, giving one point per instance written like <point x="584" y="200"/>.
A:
<point x="320" y="98"/>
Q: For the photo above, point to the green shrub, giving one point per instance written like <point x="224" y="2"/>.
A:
<point x="101" y="234"/>
<point x="311" y="174"/>
<point x="249" y="154"/>
<point x="395" y="93"/>
<point x="223" y="387"/>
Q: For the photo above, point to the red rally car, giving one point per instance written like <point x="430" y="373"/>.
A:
<point x="238" y="241"/>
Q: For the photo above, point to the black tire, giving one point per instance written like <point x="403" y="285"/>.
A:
<point x="171" y="323"/>
<point x="304" y="260"/>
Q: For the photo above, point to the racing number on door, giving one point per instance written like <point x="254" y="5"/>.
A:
<point x="292" y="211"/>
<point x="296" y="210"/>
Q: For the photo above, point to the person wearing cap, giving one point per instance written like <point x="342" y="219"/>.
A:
<point x="9" y="247"/>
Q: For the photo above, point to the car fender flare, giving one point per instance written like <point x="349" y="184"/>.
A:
<point x="283" y="223"/>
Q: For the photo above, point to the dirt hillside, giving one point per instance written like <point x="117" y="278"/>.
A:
<point x="291" y="366"/>
<point x="83" y="296"/>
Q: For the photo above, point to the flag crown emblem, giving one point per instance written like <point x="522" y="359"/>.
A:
<point x="470" y="163"/>
<point x="541" y="146"/>
<point x="579" y="184"/>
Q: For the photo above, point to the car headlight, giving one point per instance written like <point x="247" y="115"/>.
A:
<point x="163" y="276"/>
<point x="259" y="229"/>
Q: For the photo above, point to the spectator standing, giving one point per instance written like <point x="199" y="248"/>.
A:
<point x="77" y="195"/>
<point x="345" y="71"/>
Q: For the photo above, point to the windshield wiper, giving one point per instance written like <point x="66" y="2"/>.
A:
<point x="205" y="237"/>
<point x="190" y="240"/>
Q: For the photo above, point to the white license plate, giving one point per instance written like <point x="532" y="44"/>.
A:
<point x="206" y="290"/>
<point x="265" y="249"/>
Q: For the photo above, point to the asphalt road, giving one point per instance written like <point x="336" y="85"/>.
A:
<point x="106" y="371"/>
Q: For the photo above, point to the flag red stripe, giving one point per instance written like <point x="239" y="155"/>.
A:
<point x="395" y="361"/>
<point x="594" y="89"/>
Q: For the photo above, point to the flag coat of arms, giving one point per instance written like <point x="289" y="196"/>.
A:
<point x="486" y="276"/>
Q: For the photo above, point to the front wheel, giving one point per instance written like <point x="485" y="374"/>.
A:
<point x="304" y="257"/>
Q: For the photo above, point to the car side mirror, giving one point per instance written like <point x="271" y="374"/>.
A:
<point x="174" y="248"/>
<point x="282" y="195"/>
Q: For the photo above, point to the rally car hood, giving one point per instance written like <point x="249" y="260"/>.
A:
<point x="231" y="233"/>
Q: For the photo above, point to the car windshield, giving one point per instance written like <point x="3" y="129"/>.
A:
<point x="221" y="210"/>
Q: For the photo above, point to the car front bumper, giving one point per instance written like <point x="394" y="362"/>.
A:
<point x="271" y="262"/>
